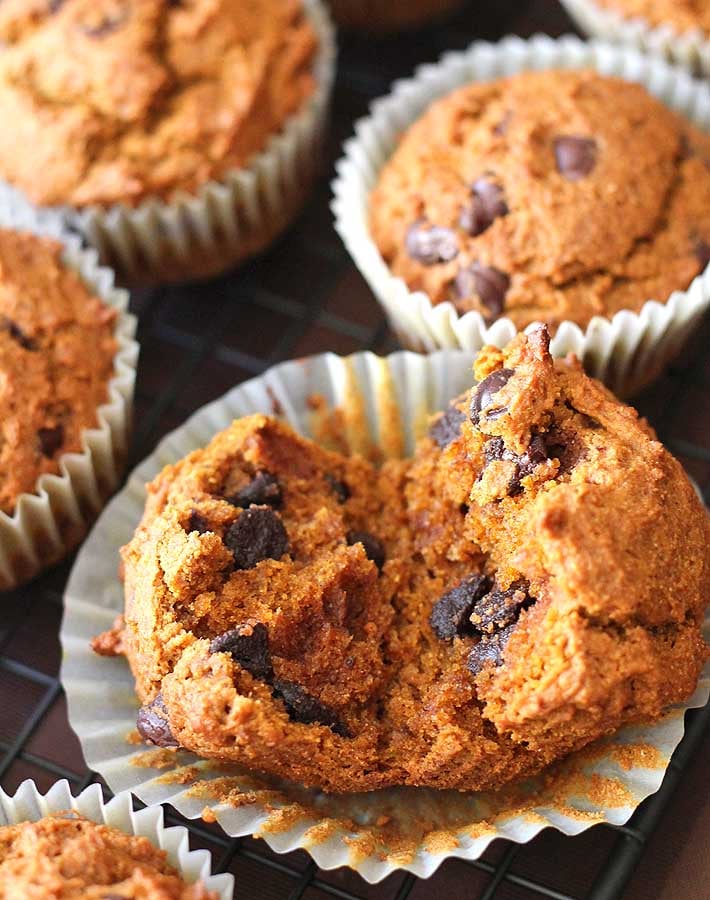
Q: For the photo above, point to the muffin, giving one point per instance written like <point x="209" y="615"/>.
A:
<point x="499" y="199"/>
<point x="369" y="15"/>
<point x="678" y="30"/>
<point x="69" y="856"/>
<point x="134" y="111"/>
<point x="67" y="370"/>
<point x="353" y="627"/>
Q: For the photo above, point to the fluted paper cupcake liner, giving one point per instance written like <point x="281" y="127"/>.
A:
<point x="48" y="523"/>
<point x="226" y="220"/>
<point x="690" y="49"/>
<point x="384" y="404"/>
<point x="626" y="351"/>
<point x="29" y="805"/>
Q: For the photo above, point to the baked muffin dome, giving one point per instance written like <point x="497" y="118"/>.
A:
<point x="57" y="352"/>
<point x="348" y="627"/>
<point x="113" y="102"/>
<point x="681" y="15"/>
<point x="71" y="857"/>
<point x="526" y="198"/>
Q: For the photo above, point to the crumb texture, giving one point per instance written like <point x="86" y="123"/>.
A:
<point x="681" y="15"/>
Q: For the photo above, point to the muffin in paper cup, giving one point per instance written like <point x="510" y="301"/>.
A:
<point x="380" y="18"/>
<point x="29" y="805"/>
<point x="690" y="48"/>
<point x="48" y="523"/>
<point x="198" y="235"/>
<point x="383" y="406"/>
<point x="626" y="351"/>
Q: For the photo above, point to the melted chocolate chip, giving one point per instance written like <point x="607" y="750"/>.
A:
<point x="55" y="5"/>
<point x="110" y="22"/>
<point x="487" y="204"/>
<point x="501" y="127"/>
<point x="489" y="649"/>
<point x="451" y="613"/>
<point x="575" y="156"/>
<point x="262" y="490"/>
<point x="490" y="284"/>
<point x="50" y="440"/>
<point x="526" y="464"/>
<point x="152" y="724"/>
<point x="248" y="645"/>
<point x="431" y="244"/>
<point x="498" y="609"/>
<point x="307" y="710"/>
<point x="339" y="488"/>
<point x="373" y="547"/>
<point x="197" y="522"/>
<point x="447" y="427"/>
<point x="257" y="534"/>
<point x="485" y="391"/>
<point x="702" y="251"/>
<point x="17" y="334"/>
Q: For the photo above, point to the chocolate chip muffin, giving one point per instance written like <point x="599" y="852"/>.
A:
<point x="57" y="351"/>
<point x="71" y="857"/>
<point x="501" y="198"/>
<point x="681" y="15"/>
<point x="113" y="102"/>
<point x="532" y="579"/>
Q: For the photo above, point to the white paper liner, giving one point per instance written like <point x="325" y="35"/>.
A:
<point x="202" y="234"/>
<point x="48" y="523"/>
<point x="377" y="832"/>
<point x="626" y="351"/>
<point x="29" y="805"/>
<point x="690" y="49"/>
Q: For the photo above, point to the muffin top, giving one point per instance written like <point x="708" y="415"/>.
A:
<point x="56" y="359"/>
<point x="546" y="196"/>
<point x="70" y="857"/>
<point x="114" y="101"/>
<point x="681" y="15"/>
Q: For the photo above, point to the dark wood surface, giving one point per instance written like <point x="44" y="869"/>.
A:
<point x="304" y="297"/>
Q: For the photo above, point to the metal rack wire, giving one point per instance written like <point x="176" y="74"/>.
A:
<point x="197" y="341"/>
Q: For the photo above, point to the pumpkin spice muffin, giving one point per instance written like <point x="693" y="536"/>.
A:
<point x="114" y="102"/>
<point x="502" y="198"/>
<point x="531" y="580"/>
<point x="70" y="857"/>
<point x="681" y="15"/>
<point x="57" y="352"/>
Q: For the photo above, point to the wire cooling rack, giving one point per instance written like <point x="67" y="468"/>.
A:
<point x="305" y="297"/>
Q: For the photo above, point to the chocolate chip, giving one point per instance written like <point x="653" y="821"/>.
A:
<point x="500" y="608"/>
<point x="489" y="649"/>
<point x="501" y="127"/>
<point x="526" y="464"/>
<point x="447" y="427"/>
<point x="339" y="488"/>
<point x="152" y="724"/>
<point x="17" y="334"/>
<point x="490" y="284"/>
<point x="107" y="24"/>
<point x="257" y="534"/>
<point x="373" y="547"/>
<point x="55" y="5"/>
<point x="451" y="613"/>
<point x="485" y="391"/>
<point x="575" y="156"/>
<point x="307" y="710"/>
<point x="702" y="251"/>
<point x="430" y="244"/>
<point x="197" y="522"/>
<point x="248" y="645"/>
<point x="262" y="490"/>
<point x="494" y="450"/>
<point x="486" y="205"/>
<point x="50" y="440"/>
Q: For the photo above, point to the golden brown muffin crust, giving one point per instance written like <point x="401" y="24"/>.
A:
<point x="681" y="15"/>
<point x="114" y="102"/>
<point x="66" y="856"/>
<point x="56" y="358"/>
<point x="525" y="198"/>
